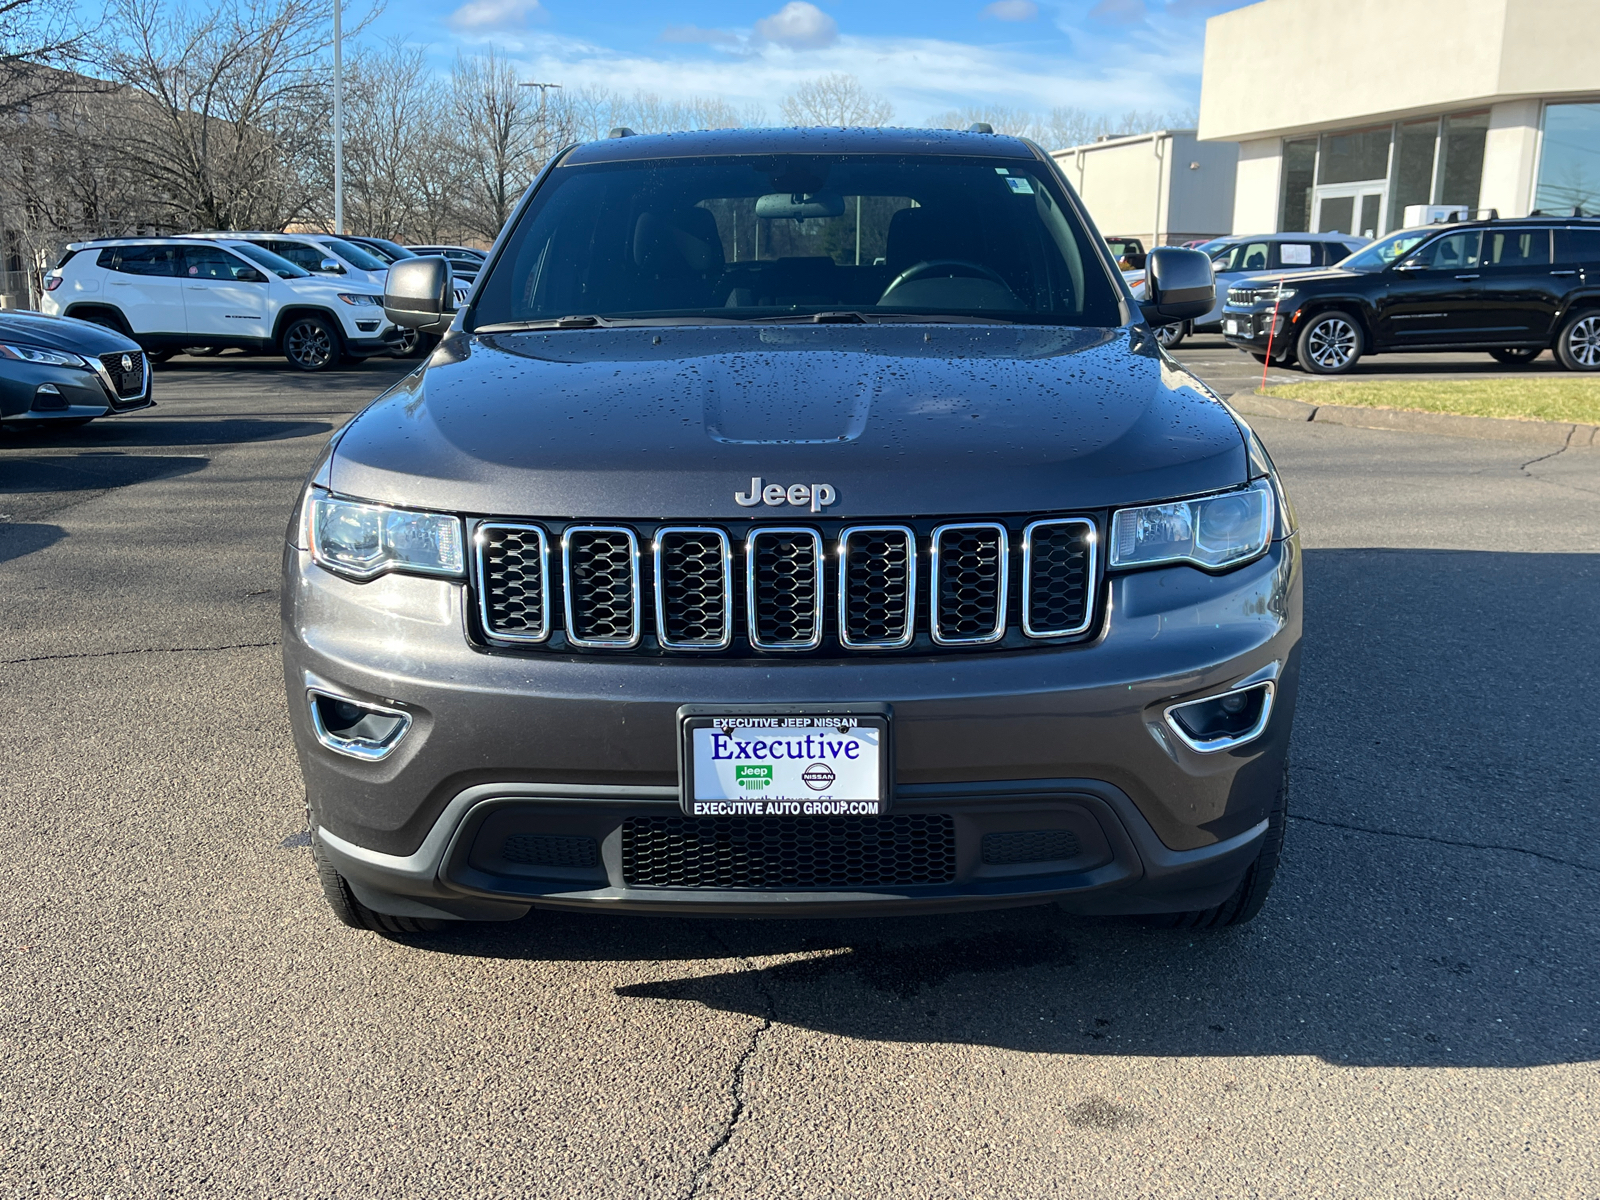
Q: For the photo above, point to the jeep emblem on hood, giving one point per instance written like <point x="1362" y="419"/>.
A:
<point x="817" y="495"/>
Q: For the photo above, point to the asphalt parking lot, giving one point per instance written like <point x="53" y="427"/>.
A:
<point x="1416" y="1013"/>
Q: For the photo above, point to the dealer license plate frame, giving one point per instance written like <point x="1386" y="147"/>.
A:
<point x="703" y="716"/>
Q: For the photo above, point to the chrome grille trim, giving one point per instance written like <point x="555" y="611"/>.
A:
<point x="937" y="569"/>
<point x="568" y="591"/>
<point x="480" y="539"/>
<point x="753" y="592"/>
<point x="1028" y="574"/>
<point x="726" y="640"/>
<point x="906" y="638"/>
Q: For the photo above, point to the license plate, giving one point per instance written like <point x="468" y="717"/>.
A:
<point x="1233" y="328"/>
<point x="790" y="762"/>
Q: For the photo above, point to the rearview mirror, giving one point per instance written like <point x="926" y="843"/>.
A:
<point x="1178" y="285"/>
<point x="417" y="294"/>
<point x="799" y="206"/>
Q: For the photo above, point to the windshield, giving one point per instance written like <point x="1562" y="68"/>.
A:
<point x="278" y="265"/>
<point x="353" y="254"/>
<point x="791" y="236"/>
<point x="1381" y="253"/>
<point x="389" y="252"/>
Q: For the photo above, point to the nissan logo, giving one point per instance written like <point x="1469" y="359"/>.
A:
<point x="127" y="362"/>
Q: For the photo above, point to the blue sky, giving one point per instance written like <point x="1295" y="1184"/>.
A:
<point x="926" y="56"/>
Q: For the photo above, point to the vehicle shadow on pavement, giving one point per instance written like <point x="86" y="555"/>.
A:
<point x="139" y="430"/>
<point x="18" y="540"/>
<point x="90" y="471"/>
<point x="1438" y="905"/>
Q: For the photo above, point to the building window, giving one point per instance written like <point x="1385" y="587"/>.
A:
<point x="1299" y="174"/>
<point x="1413" y="168"/>
<point x="1569" y="159"/>
<point x="1354" y="157"/>
<point x="1461" y="173"/>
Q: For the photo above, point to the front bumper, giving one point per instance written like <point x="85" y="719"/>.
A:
<point x="1067" y="739"/>
<point x="40" y="393"/>
<point x="1253" y="329"/>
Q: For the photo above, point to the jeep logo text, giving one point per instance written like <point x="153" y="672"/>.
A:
<point x="817" y="495"/>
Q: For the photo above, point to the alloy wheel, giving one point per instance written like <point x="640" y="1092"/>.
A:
<point x="1168" y="336"/>
<point x="1583" y="342"/>
<point x="309" y="344"/>
<point x="1332" y="343"/>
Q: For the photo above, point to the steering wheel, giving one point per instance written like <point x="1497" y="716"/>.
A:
<point x="943" y="266"/>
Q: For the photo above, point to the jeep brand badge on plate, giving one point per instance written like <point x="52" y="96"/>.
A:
<point x="785" y="764"/>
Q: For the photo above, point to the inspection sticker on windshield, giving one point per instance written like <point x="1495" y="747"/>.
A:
<point x="783" y="765"/>
<point x="1019" y="185"/>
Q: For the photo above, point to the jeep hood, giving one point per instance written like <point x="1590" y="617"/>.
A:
<point x="671" y="422"/>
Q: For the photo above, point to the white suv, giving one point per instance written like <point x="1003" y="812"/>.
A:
<point x="171" y="293"/>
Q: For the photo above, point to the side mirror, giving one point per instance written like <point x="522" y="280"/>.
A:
<point x="1411" y="264"/>
<point x="417" y="294"/>
<point x="332" y="265"/>
<point x="1178" y="286"/>
<point x="248" y="275"/>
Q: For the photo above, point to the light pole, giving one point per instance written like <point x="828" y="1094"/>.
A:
<point x="544" y="90"/>
<point x="338" y="118"/>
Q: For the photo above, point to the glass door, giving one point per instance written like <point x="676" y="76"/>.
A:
<point x="1350" y="208"/>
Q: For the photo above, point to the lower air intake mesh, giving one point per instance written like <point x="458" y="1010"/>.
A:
<point x="1033" y="845"/>
<point x="788" y="852"/>
<point x="550" y="850"/>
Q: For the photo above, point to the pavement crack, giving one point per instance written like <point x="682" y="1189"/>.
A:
<point x="6" y="662"/>
<point x="1428" y="837"/>
<point x="736" y="1080"/>
<point x="1561" y="449"/>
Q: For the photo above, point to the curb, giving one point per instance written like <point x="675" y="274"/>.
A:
<point x="1500" y="429"/>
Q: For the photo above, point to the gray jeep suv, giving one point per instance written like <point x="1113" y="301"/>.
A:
<point x="795" y="522"/>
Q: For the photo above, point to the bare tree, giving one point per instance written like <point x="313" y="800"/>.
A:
<point x="403" y="166"/>
<point x="836" y="99"/>
<point x="505" y="130"/>
<point x="592" y="111"/>
<point x="35" y="34"/>
<point x="228" y="117"/>
<point x="1062" y="127"/>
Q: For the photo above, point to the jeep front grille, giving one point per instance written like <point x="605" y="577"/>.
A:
<point x="785" y="589"/>
<point x="601" y="584"/>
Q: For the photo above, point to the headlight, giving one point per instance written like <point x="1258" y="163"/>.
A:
<point x="1212" y="532"/>
<point x="366" y="540"/>
<point x="1280" y="297"/>
<point x="359" y="299"/>
<point x="47" y="358"/>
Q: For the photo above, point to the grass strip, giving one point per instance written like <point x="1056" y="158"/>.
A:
<point x="1573" y="398"/>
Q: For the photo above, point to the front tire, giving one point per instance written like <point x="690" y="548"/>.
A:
<point x="311" y="344"/>
<point x="355" y="914"/>
<point x="1330" y="344"/>
<point x="1514" y="357"/>
<point x="1578" y="347"/>
<point x="1251" y="894"/>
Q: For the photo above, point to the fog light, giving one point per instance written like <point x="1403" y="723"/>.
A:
<point x="356" y="728"/>
<point x="1223" y="722"/>
<point x="47" y="396"/>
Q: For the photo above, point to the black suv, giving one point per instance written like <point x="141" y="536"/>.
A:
<point x="793" y="522"/>
<point x="1511" y="288"/>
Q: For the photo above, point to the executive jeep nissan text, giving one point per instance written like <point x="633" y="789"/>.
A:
<point x="795" y="522"/>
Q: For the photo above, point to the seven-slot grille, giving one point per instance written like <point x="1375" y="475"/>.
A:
<point x="785" y="588"/>
<point x="128" y="383"/>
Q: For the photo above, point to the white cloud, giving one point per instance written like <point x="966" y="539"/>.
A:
<point x="799" y="26"/>
<point x="484" y="15"/>
<point x="1012" y="10"/>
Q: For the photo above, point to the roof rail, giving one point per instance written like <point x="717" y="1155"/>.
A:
<point x="621" y="131"/>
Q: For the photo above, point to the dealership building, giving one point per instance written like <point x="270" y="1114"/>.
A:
<point x="1366" y="115"/>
